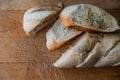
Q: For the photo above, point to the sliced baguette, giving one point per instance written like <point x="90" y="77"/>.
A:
<point x="101" y="49"/>
<point x="92" y="57"/>
<point x="112" y="58"/>
<point x="59" y="35"/>
<point x="37" y="18"/>
<point x="92" y="49"/>
<point x="78" y="53"/>
<point x="107" y="44"/>
<point x="88" y="17"/>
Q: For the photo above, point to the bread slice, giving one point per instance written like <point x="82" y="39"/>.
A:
<point x="37" y="18"/>
<point x="88" y="17"/>
<point x="92" y="57"/>
<point x="59" y="35"/>
<point x="78" y="53"/>
<point x="107" y="44"/>
<point x="112" y="58"/>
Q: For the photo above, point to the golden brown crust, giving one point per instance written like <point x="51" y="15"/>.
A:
<point x="66" y="20"/>
<point x="85" y="29"/>
<point x="56" y="45"/>
<point x="90" y="29"/>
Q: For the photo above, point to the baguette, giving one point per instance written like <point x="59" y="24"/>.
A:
<point x="100" y="56"/>
<point x="78" y="53"/>
<point x="92" y="50"/>
<point x="88" y="17"/>
<point x="113" y="38"/>
<point x="111" y="58"/>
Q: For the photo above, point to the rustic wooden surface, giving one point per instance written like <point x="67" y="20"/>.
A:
<point x="27" y="58"/>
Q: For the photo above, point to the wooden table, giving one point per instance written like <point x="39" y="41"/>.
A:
<point x="27" y="58"/>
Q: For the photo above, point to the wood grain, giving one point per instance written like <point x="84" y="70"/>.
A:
<point x="44" y="71"/>
<point x="27" y="58"/>
<point x="25" y="4"/>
